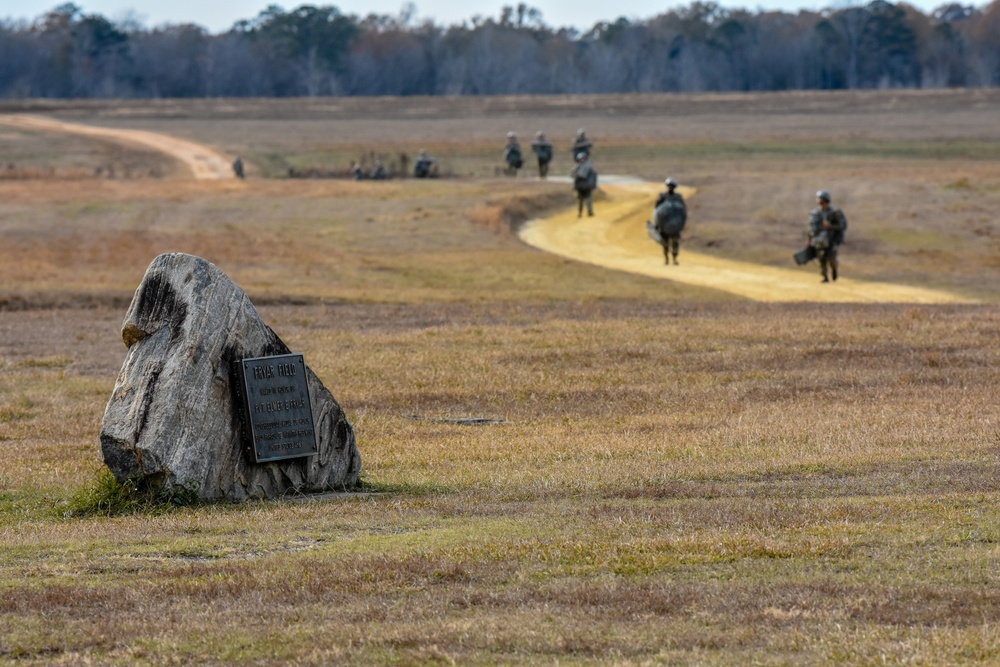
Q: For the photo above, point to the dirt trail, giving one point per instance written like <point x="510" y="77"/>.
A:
<point x="204" y="163"/>
<point x="616" y="238"/>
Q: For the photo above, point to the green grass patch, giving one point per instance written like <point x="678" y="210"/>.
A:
<point x="107" y="497"/>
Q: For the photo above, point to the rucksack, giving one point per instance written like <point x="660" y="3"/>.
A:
<point x="514" y="157"/>
<point x="670" y="217"/>
<point x="843" y="232"/>
<point x="586" y="182"/>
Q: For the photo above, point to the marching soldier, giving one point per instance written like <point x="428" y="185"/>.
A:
<point x="584" y="177"/>
<point x="238" y="168"/>
<point x="827" y="225"/>
<point x="582" y="144"/>
<point x="670" y="215"/>
<point x="543" y="151"/>
<point x="512" y="154"/>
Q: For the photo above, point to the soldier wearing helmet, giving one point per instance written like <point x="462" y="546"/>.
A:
<point x="238" y="168"/>
<point x="582" y="144"/>
<point x="670" y="217"/>
<point x="512" y="154"/>
<point x="542" y="148"/>
<point x="379" y="172"/>
<point x="424" y="166"/>
<point x="584" y="177"/>
<point x="827" y="225"/>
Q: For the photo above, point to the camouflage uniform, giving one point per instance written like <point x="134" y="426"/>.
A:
<point x="582" y="143"/>
<point x="424" y="165"/>
<point x="378" y="172"/>
<point x="543" y="151"/>
<point x="826" y="232"/>
<point x="671" y="237"/>
<point x="512" y="154"/>
<point x="584" y="177"/>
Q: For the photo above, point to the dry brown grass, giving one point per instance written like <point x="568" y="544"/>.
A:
<point x="684" y="478"/>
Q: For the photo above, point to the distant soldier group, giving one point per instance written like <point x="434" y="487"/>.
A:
<point x="584" y="173"/>
<point x="513" y="157"/>
<point x="826" y="226"/>
<point x="378" y="172"/>
<point x="424" y="166"/>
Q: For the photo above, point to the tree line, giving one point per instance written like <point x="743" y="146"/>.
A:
<point x="318" y="50"/>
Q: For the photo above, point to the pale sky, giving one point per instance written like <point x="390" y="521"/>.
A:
<point x="219" y="16"/>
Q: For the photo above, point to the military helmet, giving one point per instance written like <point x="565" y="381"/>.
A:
<point x="580" y="132"/>
<point x="540" y="134"/>
<point x="824" y="195"/>
<point x="670" y="182"/>
<point x="511" y="135"/>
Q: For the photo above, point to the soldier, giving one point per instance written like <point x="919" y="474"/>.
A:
<point x="238" y="168"/>
<point x="378" y="171"/>
<point x="584" y="177"/>
<point x="356" y="172"/>
<point x="424" y="165"/>
<point x="543" y="151"/>
<point x="670" y="216"/>
<point x="827" y="225"/>
<point x="582" y="143"/>
<point x="512" y="154"/>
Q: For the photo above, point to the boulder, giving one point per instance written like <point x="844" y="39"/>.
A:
<point x="173" y="418"/>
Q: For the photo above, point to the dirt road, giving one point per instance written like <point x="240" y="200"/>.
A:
<point x="616" y="238"/>
<point x="205" y="164"/>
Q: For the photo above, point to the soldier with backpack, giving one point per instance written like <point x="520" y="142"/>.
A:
<point x="669" y="219"/>
<point x="582" y="144"/>
<point x="424" y="166"/>
<point x="512" y="154"/>
<point x="827" y="225"/>
<point x="238" y="168"/>
<point x="584" y="177"/>
<point x="379" y="172"/>
<point x="543" y="151"/>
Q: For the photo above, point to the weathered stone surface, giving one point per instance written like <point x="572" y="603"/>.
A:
<point x="173" y="418"/>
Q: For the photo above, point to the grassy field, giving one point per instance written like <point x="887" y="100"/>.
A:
<point x="681" y="477"/>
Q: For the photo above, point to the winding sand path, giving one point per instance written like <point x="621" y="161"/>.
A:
<point x="616" y="238"/>
<point x="205" y="163"/>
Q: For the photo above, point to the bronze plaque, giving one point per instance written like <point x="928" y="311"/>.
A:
<point x="277" y="412"/>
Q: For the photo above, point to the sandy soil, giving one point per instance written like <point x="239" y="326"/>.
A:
<point x="616" y="238"/>
<point x="204" y="163"/>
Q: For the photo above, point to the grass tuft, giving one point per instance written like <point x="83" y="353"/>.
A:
<point x="108" y="497"/>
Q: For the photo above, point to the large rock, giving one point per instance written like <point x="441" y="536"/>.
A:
<point x="173" y="418"/>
